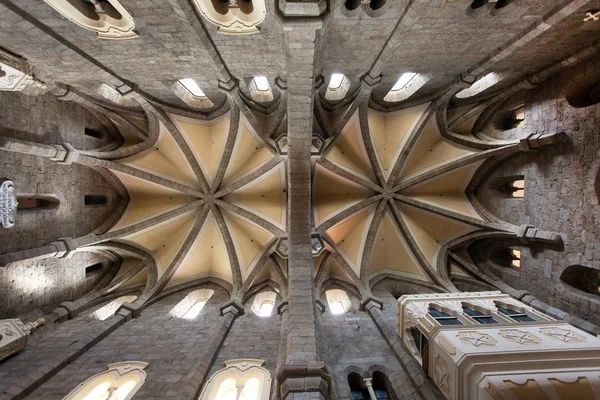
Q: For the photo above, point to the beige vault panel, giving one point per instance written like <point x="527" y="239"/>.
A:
<point x="431" y="231"/>
<point x="147" y="200"/>
<point x="206" y="140"/>
<point x="392" y="254"/>
<point x="349" y="236"/>
<point x="333" y="194"/>
<point x="390" y="131"/>
<point x="166" y="160"/>
<point x="349" y="151"/>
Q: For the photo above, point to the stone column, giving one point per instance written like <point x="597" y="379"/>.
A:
<point x="198" y="374"/>
<point x="304" y="375"/>
<point x="369" y="384"/>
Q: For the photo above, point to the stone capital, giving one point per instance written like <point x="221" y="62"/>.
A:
<point x="234" y="307"/>
<point x="133" y="310"/>
<point x="311" y="377"/>
<point x="370" y="302"/>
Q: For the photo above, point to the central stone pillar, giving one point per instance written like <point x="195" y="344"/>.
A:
<point x="303" y="375"/>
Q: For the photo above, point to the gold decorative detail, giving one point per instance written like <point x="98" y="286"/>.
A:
<point x="520" y="337"/>
<point x="447" y="346"/>
<point x="477" y="339"/>
<point x="563" y="335"/>
<point x="441" y="375"/>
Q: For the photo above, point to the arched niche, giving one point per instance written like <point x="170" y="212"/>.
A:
<point x="121" y="381"/>
<point x="234" y="17"/>
<point x="108" y="18"/>
<point x="582" y="278"/>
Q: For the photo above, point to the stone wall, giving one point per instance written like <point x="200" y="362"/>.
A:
<point x="30" y="290"/>
<point x="560" y="192"/>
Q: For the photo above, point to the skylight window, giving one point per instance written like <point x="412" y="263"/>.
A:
<point x="480" y="85"/>
<point x="336" y="81"/>
<point x="266" y="309"/>
<point x="338" y="301"/>
<point x="406" y="86"/>
<point x="192" y="87"/>
<point x="262" y="83"/>
<point x="336" y="307"/>
<point x="404" y="80"/>
<point x="194" y="310"/>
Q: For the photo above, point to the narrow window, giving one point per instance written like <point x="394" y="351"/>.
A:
<point x="93" y="133"/>
<point x="264" y="303"/>
<point x="419" y="339"/>
<point x="352" y="4"/>
<point x="94" y="200"/>
<point x="194" y="310"/>
<point x="29" y="203"/>
<point x="338" y="300"/>
<point x="93" y="269"/>
<point x="260" y="90"/>
<point x="376" y="4"/>
<point x="479" y="86"/>
<point x="338" y="87"/>
<point x="109" y="309"/>
<point x="478" y="316"/>
<point x="515" y="256"/>
<point x="192" y="87"/>
<point x="266" y="309"/>
<point x="355" y="382"/>
<point x="514" y="314"/>
<point x="517" y="188"/>
<point x="443" y="318"/>
<point x="380" y="386"/>
<point x="406" y="86"/>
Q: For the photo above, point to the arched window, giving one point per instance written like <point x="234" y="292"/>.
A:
<point x="479" y="316"/>
<point x="585" y="97"/>
<point x="582" y="278"/>
<point x="406" y="86"/>
<point x="35" y="202"/>
<point x="359" y="392"/>
<point x="381" y="386"/>
<point x="244" y="379"/>
<point x="338" y="87"/>
<point x="120" y="382"/>
<point x="234" y="17"/>
<point x="260" y="90"/>
<point x="264" y="303"/>
<point x="513" y="313"/>
<point x="338" y="301"/>
<point x="510" y="186"/>
<point x="373" y="4"/>
<point x="442" y="317"/>
<point x="482" y="84"/>
<point x="108" y="18"/>
<point x="94" y="199"/>
<point x="192" y="304"/>
<point x="109" y="309"/>
<point x="188" y="90"/>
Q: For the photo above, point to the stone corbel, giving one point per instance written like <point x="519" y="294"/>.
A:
<point x="234" y="307"/>
<point x="321" y="307"/>
<point x="129" y="310"/>
<point x="370" y="302"/>
<point x="311" y="8"/>
<point x="370" y="82"/>
<point x="65" y="154"/>
<point x="537" y="140"/>
<point x="465" y="80"/>
<point x="66" y="247"/>
<point x="281" y="84"/>
<point x="282" y="307"/>
<point x="530" y="234"/>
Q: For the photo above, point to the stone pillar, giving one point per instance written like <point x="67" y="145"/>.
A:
<point x="369" y="384"/>
<point x="198" y="374"/>
<point x="421" y="381"/>
<point x="303" y="375"/>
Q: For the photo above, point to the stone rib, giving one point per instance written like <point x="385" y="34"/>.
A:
<point x="370" y="241"/>
<point x="339" y="217"/>
<point x="231" y="252"/>
<point x="228" y="150"/>
<point x="266" y="167"/>
<point x="368" y="143"/>
<point x="336" y="169"/>
<point x="263" y="223"/>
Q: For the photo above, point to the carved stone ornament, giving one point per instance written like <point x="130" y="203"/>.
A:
<point x="441" y="375"/>
<point x="12" y="80"/>
<point x="520" y="337"/>
<point x="564" y="335"/>
<point x="241" y="20"/>
<point x="477" y="339"/>
<point x="13" y="335"/>
<point x="8" y="203"/>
